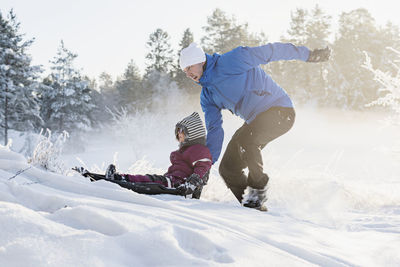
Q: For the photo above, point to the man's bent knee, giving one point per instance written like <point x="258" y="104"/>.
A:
<point x="258" y="182"/>
<point x="232" y="178"/>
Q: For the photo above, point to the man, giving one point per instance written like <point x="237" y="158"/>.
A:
<point x="235" y="81"/>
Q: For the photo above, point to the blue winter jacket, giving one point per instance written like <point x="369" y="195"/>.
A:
<point x="235" y="81"/>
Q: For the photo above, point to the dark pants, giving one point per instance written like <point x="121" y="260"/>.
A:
<point x="244" y="149"/>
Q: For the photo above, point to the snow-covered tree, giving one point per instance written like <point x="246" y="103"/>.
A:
<point x="389" y="86"/>
<point x="107" y="90"/>
<point x="292" y="75"/>
<point x="19" y="109"/>
<point x="106" y="83"/>
<point x="307" y="82"/>
<point x="129" y="88"/>
<point x="389" y="36"/>
<point x="351" y="85"/>
<point x="224" y="33"/>
<point x="317" y="35"/>
<point x="98" y="114"/>
<point x="160" y="56"/>
<point x="179" y="76"/>
<point x="66" y="103"/>
<point x="298" y="26"/>
<point x="317" y="28"/>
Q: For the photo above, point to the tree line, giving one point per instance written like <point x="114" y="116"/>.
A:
<point x="68" y="100"/>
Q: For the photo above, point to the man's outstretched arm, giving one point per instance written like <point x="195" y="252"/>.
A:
<point x="249" y="57"/>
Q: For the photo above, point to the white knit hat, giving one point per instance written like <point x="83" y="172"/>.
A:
<point x="191" y="55"/>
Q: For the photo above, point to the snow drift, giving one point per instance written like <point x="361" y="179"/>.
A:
<point x="333" y="202"/>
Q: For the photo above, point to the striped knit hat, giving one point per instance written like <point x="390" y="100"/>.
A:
<point x="192" y="127"/>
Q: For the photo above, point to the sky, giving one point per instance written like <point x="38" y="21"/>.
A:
<point x="106" y="35"/>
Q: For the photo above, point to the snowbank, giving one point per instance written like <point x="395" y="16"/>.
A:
<point x="49" y="219"/>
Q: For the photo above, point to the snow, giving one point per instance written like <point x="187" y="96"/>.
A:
<point x="69" y="92"/>
<point x="333" y="201"/>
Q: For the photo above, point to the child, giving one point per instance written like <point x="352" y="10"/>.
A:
<point x="190" y="164"/>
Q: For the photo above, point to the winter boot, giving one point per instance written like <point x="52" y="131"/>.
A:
<point x="81" y="170"/>
<point x="256" y="199"/>
<point x="112" y="174"/>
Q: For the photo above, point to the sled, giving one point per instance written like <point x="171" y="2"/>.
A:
<point x="141" y="188"/>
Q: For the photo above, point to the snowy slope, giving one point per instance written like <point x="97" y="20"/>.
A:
<point x="320" y="214"/>
<point x="57" y="220"/>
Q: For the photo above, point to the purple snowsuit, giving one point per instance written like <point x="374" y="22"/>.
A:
<point x="184" y="162"/>
<point x="193" y="156"/>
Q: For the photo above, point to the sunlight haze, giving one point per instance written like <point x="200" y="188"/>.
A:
<point x="106" y="35"/>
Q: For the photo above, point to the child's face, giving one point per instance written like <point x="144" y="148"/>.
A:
<point x="181" y="137"/>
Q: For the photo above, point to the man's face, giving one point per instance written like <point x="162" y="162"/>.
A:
<point x="195" y="71"/>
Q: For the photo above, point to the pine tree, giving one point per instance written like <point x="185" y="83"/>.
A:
<point x="217" y="31"/>
<point x="350" y="84"/>
<point x="389" y="35"/>
<point x="67" y="104"/>
<point x="291" y="74"/>
<point x="129" y="88"/>
<point x="317" y="29"/>
<point x="186" y="40"/>
<point x="223" y="34"/>
<point x="179" y="76"/>
<point x="298" y="27"/>
<point x="99" y="113"/>
<point x="108" y="92"/>
<point x="317" y="34"/>
<point x="18" y="80"/>
<point x="307" y="82"/>
<point x="106" y="83"/>
<point x="160" y="56"/>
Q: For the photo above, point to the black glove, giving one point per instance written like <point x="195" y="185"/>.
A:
<point x="192" y="182"/>
<point x="319" y="55"/>
<point x="182" y="190"/>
